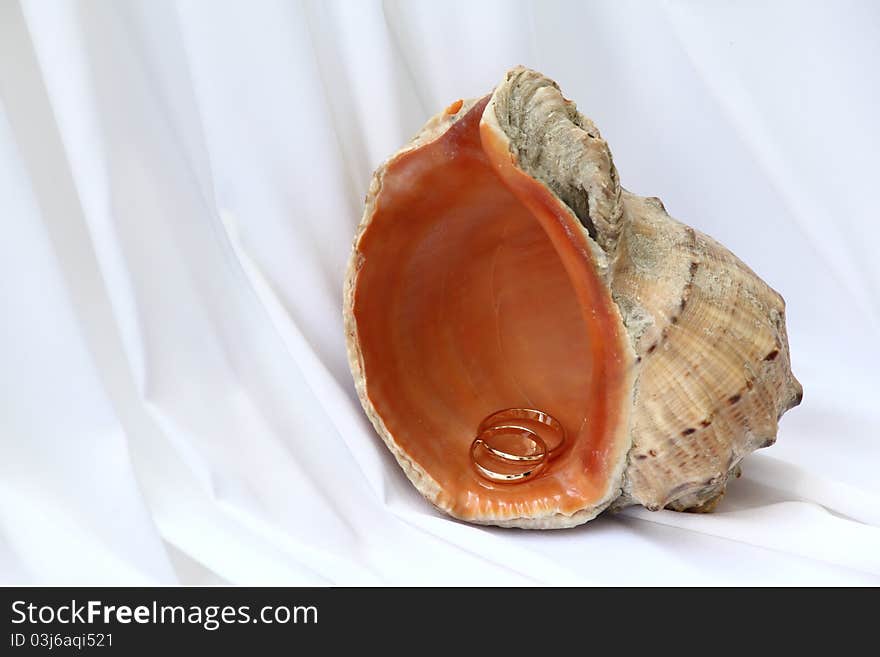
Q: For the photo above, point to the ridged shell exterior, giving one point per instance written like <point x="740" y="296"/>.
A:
<point x="714" y="375"/>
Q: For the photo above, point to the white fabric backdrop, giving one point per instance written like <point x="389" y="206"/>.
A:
<point x="179" y="188"/>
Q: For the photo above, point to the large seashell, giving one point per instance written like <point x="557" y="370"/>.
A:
<point x="500" y="264"/>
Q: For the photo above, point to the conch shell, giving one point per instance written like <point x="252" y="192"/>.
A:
<point x="499" y="263"/>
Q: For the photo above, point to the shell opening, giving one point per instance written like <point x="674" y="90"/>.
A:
<point x="472" y="298"/>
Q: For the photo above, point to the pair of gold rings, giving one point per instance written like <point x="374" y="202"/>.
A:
<point x="528" y="453"/>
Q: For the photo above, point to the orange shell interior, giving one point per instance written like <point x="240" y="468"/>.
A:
<point x="477" y="291"/>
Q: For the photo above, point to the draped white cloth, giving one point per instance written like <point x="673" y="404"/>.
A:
<point x="180" y="184"/>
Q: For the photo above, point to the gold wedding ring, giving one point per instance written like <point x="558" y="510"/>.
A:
<point x="535" y="456"/>
<point x="513" y="414"/>
<point x="537" y="461"/>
